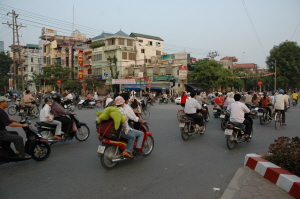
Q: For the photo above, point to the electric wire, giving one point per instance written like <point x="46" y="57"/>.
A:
<point x="295" y="30"/>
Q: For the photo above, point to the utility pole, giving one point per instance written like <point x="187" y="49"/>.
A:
<point x="275" y="79"/>
<point x="15" y="27"/>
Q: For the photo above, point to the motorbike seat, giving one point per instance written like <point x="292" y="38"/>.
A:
<point x="236" y="124"/>
<point x="189" y="118"/>
<point x="24" y="106"/>
<point x="46" y="124"/>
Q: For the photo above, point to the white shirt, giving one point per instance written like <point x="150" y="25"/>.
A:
<point x="69" y="96"/>
<point x="279" y="101"/>
<point x="238" y="110"/>
<point x="191" y="106"/>
<point x="129" y="113"/>
<point x="199" y="99"/>
<point x="230" y="100"/>
<point x="45" y="113"/>
<point x="125" y="126"/>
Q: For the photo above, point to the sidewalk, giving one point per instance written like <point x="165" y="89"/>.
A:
<point x="247" y="183"/>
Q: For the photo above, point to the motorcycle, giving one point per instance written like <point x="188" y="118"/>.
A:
<point x="187" y="127"/>
<point x="98" y="103"/>
<point x="81" y="104"/>
<point x="163" y="100"/>
<point x="263" y="115"/>
<point x="35" y="146"/>
<point x="294" y="102"/>
<point x="207" y="112"/>
<point x="225" y="115"/>
<point x="217" y="110"/>
<point x="234" y="132"/>
<point x="71" y="106"/>
<point x="113" y="144"/>
<point x="48" y="131"/>
<point x="28" y="111"/>
<point x="13" y="109"/>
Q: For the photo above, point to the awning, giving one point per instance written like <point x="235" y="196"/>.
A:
<point x="134" y="86"/>
<point x="160" y="86"/>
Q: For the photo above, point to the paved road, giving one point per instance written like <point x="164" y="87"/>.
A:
<point x="175" y="169"/>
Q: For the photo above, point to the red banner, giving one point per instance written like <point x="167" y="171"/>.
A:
<point x="80" y="63"/>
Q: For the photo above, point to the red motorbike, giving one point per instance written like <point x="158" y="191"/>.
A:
<point x="113" y="144"/>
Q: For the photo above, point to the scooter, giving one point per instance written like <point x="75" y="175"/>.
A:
<point x="35" y="146"/>
<point x="81" y="104"/>
<point x="26" y="111"/>
<point x="113" y="144"/>
<point x="71" y="106"/>
<point x="48" y="131"/>
<point x="217" y="110"/>
<point x="188" y="127"/>
<point x="225" y="115"/>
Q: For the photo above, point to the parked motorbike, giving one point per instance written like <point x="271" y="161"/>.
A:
<point x="163" y="101"/>
<point x="35" y="146"/>
<point x="234" y="132"/>
<point x="81" y="104"/>
<point x="217" y="110"/>
<point x="26" y="111"/>
<point x="113" y="145"/>
<point x="13" y="109"/>
<point x="48" y="131"/>
<point x="225" y="115"/>
<point x="188" y="127"/>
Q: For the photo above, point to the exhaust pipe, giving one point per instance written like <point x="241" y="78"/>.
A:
<point x="119" y="159"/>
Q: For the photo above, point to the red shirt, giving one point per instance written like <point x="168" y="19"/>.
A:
<point x="183" y="98"/>
<point x="218" y="100"/>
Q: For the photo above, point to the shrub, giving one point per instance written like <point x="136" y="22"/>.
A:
<point x="286" y="154"/>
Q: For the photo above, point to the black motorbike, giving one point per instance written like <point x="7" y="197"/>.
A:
<point x="188" y="127"/>
<point x="163" y="101"/>
<point x="48" y="131"/>
<point x="225" y="115"/>
<point x="35" y="146"/>
<point x="13" y="109"/>
<point x="263" y="115"/>
<point x="235" y="132"/>
<point x="69" y="105"/>
<point x="217" y="110"/>
<point x="26" y="111"/>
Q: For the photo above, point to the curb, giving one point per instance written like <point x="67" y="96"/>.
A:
<point x="282" y="178"/>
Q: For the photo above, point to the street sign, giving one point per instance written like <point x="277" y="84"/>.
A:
<point x="58" y="82"/>
<point x="259" y="82"/>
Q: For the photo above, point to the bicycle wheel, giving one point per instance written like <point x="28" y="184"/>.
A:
<point x="277" y="119"/>
<point x="145" y="114"/>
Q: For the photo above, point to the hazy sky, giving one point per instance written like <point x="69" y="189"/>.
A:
<point x="246" y="29"/>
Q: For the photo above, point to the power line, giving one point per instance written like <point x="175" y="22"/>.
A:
<point x="295" y="30"/>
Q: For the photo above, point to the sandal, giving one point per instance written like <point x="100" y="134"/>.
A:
<point x="27" y="156"/>
<point x="283" y="124"/>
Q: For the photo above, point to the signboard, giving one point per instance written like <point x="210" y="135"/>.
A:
<point x="58" y="82"/>
<point x="259" y="82"/>
<point x="105" y="75"/>
<point x="49" y="32"/>
<point x="123" y="81"/>
<point x="182" y="72"/>
<point x="108" y="82"/>
<point x="162" y="78"/>
<point x="80" y="69"/>
<point x="141" y="74"/>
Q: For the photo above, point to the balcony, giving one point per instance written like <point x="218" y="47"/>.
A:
<point x="87" y="62"/>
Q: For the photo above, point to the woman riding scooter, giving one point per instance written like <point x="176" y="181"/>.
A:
<point x="60" y="114"/>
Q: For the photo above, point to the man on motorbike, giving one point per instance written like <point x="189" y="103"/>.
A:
<point x="88" y="98"/>
<point x="295" y="97"/>
<point x="280" y="101"/>
<point x="129" y="133"/>
<point x="200" y="99"/>
<point x="237" y="114"/>
<point x="68" y="98"/>
<point x="11" y="136"/>
<point x="190" y="109"/>
<point x="264" y="102"/>
<point x="60" y="114"/>
<point x="164" y="97"/>
<point x="29" y="100"/>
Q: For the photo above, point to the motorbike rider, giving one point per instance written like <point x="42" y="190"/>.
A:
<point x="29" y="101"/>
<point x="129" y="133"/>
<point x="68" y="98"/>
<point x="190" y="109"/>
<point x="237" y="114"/>
<point x="295" y="97"/>
<point x="264" y="103"/>
<point x="109" y="98"/>
<point x="11" y="136"/>
<point x="248" y="98"/>
<point x="164" y="97"/>
<point x="47" y="117"/>
<point x="280" y="100"/>
<point x="60" y="114"/>
<point x="200" y="99"/>
<point x="88" y="98"/>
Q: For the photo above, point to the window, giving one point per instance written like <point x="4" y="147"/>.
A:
<point x="124" y="55"/>
<point x="97" y="57"/>
<point x="31" y="69"/>
<point x="149" y="60"/>
<point x="44" y="59"/>
<point x="31" y="59"/>
<point x="121" y="41"/>
<point x="158" y="52"/>
<point x="45" y="49"/>
<point x="145" y="60"/>
<point x="158" y="44"/>
<point x="132" y="56"/>
<point x="150" y="43"/>
<point x="142" y="50"/>
<point x="129" y="42"/>
<point x="48" y="60"/>
<point x="140" y="40"/>
<point x="110" y="42"/>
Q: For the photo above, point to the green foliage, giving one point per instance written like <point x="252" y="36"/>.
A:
<point x="96" y="44"/>
<point x="93" y="83"/>
<point x="5" y="63"/>
<point x="72" y="85"/>
<point x="56" y="72"/>
<point x="286" y="154"/>
<point x="113" y="69"/>
<point x="287" y="56"/>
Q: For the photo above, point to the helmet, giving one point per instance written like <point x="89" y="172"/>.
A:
<point x="56" y="97"/>
<point x="48" y="99"/>
<point x="281" y="91"/>
<point x="119" y="100"/>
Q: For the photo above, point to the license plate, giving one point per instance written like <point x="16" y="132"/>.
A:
<point x="259" y="114"/>
<point x="101" y="149"/>
<point x="222" y="116"/>
<point x="22" y="111"/>
<point x="228" y="131"/>
<point x="181" y="124"/>
<point x="215" y="111"/>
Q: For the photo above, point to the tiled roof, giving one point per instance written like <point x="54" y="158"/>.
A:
<point x="230" y="58"/>
<point x="104" y="34"/>
<point x="32" y="46"/>
<point x="121" y="33"/>
<point x="145" y="36"/>
<point x="249" y="65"/>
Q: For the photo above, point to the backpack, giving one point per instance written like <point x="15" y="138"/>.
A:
<point x="106" y="129"/>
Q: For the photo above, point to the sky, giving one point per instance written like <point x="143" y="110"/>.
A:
<point x="246" y="29"/>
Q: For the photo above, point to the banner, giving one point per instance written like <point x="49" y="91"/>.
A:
<point x="123" y="81"/>
<point x="182" y="72"/>
<point x="80" y="63"/>
<point x="161" y="78"/>
<point x="261" y="75"/>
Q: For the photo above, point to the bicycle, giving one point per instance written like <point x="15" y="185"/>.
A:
<point x="278" y="119"/>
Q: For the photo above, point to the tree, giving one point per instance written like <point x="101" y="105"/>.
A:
<point x="287" y="56"/>
<point x="5" y="63"/>
<point x="93" y="83"/>
<point x="96" y="44"/>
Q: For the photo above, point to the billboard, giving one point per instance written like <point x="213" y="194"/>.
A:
<point x="49" y="32"/>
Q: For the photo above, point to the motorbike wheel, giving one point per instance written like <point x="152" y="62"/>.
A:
<point x="37" y="113"/>
<point x="41" y="151"/>
<point x="72" y="107"/>
<point x="207" y="117"/>
<point x="261" y="120"/>
<point x="79" y="106"/>
<point x="98" y="105"/>
<point x="230" y="141"/>
<point x="109" y="153"/>
<point x="148" y="145"/>
<point x="11" y="110"/>
<point x="184" y="132"/>
<point x="145" y="114"/>
<point x="93" y="106"/>
<point x="82" y="133"/>
<point x="223" y="124"/>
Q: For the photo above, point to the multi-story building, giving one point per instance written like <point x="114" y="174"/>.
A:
<point x="247" y="66"/>
<point x="228" y="62"/>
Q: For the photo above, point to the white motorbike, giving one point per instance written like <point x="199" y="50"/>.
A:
<point x="81" y="104"/>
